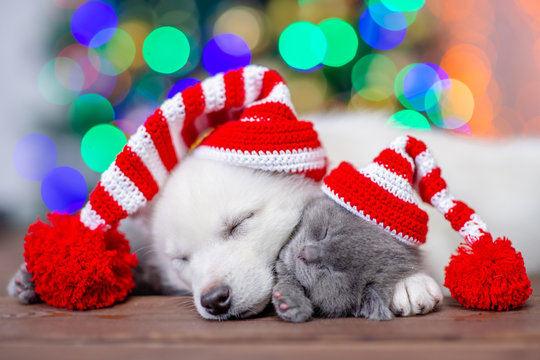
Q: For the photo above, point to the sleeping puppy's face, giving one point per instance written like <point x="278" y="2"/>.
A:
<point x="218" y="229"/>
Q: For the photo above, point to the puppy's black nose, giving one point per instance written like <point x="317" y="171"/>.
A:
<point x="217" y="299"/>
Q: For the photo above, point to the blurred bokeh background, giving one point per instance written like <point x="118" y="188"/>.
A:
<point x="78" y="76"/>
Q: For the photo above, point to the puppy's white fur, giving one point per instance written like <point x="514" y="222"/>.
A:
<point x="191" y="225"/>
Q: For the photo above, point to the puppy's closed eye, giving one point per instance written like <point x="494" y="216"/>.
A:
<point x="234" y="225"/>
<point x="180" y="261"/>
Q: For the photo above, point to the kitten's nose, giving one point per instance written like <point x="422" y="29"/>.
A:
<point x="217" y="299"/>
<point x="309" y="253"/>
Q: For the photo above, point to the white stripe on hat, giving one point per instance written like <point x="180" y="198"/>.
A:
<point x="290" y="161"/>
<point x="213" y="89"/>
<point x="391" y="182"/>
<point x="473" y="229"/>
<point x="253" y="81"/>
<point x="425" y="163"/>
<point x="122" y="189"/>
<point x="174" y="112"/>
<point x="443" y="201"/>
<point x="141" y="143"/>
<point x="90" y="218"/>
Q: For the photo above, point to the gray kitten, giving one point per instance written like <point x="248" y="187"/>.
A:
<point x="338" y="265"/>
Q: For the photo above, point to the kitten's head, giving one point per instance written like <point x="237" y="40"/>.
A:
<point x="334" y="254"/>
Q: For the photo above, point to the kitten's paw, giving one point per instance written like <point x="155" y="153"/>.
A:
<point x="417" y="294"/>
<point x="291" y="308"/>
<point x="373" y="307"/>
<point x="22" y="287"/>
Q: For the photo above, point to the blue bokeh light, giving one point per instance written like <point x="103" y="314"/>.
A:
<point x="181" y="86"/>
<point x="34" y="156"/>
<point x="94" y="23"/>
<point x="225" y="52"/>
<point x="377" y="36"/>
<point x="387" y="16"/>
<point x="418" y="83"/>
<point x="64" y="190"/>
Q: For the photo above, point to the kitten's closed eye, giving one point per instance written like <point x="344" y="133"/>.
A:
<point x="320" y="234"/>
<point x="325" y="233"/>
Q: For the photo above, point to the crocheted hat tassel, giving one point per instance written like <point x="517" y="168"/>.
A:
<point x="74" y="267"/>
<point x="488" y="275"/>
<point x="484" y="274"/>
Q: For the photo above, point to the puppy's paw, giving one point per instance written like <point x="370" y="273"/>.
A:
<point x="22" y="287"/>
<point x="291" y="306"/>
<point x="417" y="294"/>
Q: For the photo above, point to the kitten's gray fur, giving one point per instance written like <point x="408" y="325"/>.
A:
<point x="338" y="264"/>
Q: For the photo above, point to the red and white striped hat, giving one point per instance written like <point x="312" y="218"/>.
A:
<point x="485" y="274"/>
<point x="267" y="136"/>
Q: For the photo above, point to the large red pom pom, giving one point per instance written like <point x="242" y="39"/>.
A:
<point x="74" y="267"/>
<point x="488" y="275"/>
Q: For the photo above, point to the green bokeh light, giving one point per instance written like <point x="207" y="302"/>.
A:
<point x="166" y="50"/>
<point x="119" y="51"/>
<point x="100" y="145"/>
<point x="88" y="110"/>
<point x="404" y="5"/>
<point x="302" y="45"/>
<point x="409" y="119"/>
<point x="400" y="5"/>
<point x="373" y="77"/>
<point x="342" y="42"/>
<point x="409" y="8"/>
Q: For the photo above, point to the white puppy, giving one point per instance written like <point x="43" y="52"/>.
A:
<point x="217" y="230"/>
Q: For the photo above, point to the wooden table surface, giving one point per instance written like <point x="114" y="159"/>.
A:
<point x="169" y="327"/>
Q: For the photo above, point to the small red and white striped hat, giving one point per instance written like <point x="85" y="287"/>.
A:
<point x="383" y="193"/>
<point x="267" y="136"/>
<point x="485" y="274"/>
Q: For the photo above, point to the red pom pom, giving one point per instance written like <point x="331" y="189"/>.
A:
<point x="488" y="275"/>
<point x="74" y="267"/>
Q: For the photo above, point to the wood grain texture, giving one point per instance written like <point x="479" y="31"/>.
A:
<point x="169" y="327"/>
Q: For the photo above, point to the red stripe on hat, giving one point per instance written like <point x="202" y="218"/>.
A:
<point x="396" y="163"/>
<point x="316" y="174"/>
<point x="264" y="136"/>
<point x="194" y="103"/>
<point x="234" y="88"/>
<point x="458" y="215"/>
<point x="105" y="205"/>
<point x="132" y="166"/>
<point x="157" y="127"/>
<point x="270" y="79"/>
<point x="377" y="203"/>
<point x="431" y="184"/>
<point x="414" y="147"/>
<point x="269" y="111"/>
